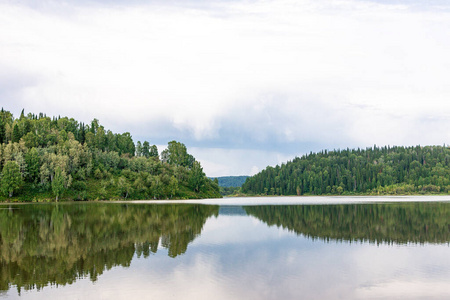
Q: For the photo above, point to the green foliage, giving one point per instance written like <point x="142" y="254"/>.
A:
<point x="231" y="181"/>
<point x="11" y="179"/>
<point x="396" y="170"/>
<point x="176" y="154"/>
<point x="60" y="182"/>
<point x="229" y="191"/>
<point x="51" y="152"/>
<point x="197" y="178"/>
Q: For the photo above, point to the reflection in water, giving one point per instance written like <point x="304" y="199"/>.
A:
<point x="56" y="244"/>
<point x="388" y="223"/>
<point x="236" y="256"/>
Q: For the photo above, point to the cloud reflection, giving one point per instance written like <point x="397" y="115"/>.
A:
<point x="241" y="257"/>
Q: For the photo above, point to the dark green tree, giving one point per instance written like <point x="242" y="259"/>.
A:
<point x="16" y="134"/>
<point x="2" y="131"/>
<point x="146" y="149"/>
<point x="197" y="177"/>
<point x="154" y="151"/>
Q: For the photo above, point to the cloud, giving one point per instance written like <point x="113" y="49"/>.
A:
<point x="223" y="162"/>
<point x="282" y="76"/>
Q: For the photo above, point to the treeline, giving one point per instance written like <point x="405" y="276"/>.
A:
<point x="231" y="181"/>
<point x="377" y="170"/>
<point x="230" y="185"/>
<point x="45" y="158"/>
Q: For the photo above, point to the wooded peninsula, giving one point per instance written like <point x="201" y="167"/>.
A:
<point x="51" y="159"/>
<point x="371" y="171"/>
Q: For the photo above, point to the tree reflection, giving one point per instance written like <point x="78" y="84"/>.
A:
<point x="57" y="244"/>
<point x="375" y="223"/>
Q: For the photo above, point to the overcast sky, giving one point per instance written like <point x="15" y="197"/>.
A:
<point x="243" y="84"/>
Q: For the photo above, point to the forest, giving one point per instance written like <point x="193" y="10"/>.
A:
<point x="371" y="171"/>
<point x="59" y="158"/>
<point x="230" y="185"/>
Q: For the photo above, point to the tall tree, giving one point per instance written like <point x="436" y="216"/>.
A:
<point x="154" y="151"/>
<point x="146" y="149"/>
<point x="139" y="151"/>
<point x="197" y="177"/>
<point x="16" y="134"/>
<point x="60" y="182"/>
<point x="176" y="154"/>
<point x="11" y="179"/>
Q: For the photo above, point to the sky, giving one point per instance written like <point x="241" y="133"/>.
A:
<point x="242" y="83"/>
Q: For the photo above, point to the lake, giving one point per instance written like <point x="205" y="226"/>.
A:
<point x="241" y="248"/>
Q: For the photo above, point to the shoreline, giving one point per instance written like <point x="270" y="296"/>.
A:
<point x="274" y="200"/>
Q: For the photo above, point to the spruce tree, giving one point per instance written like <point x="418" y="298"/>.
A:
<point x="16" y="134"/>
<point x="2" y="131"/>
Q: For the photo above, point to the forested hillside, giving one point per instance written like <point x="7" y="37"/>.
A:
<point x="44" y="158"/>
<point x="231" y="181"/>
<point x="386" y="170"/>
<point x="230" y="185"/>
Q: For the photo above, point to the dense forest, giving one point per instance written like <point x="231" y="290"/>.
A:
<point x="231" y="181"/>
<point x="59" y="158"/>
<point x="58" y="244"/>
<point x="386" y="170"/>
<point x="230" y="185"/>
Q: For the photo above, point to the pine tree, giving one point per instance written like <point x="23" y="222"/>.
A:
<point x="2" y="131"/>
<point x="16" y="134"/>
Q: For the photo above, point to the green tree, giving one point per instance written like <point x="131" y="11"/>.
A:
<point x="11" y="179"/>
<point x="145" y="149"/>
<point x="154" y="151"/>
<point x="124" y="187"/>
<point x="16" y="134"/>
<point x="60" y="182"/>
<point x="139" y="150"/>
<point x="197" y="177"/>
<point x="173" y="186"/>
<point x="2" y="131"/>
<point x="176" y="154"/>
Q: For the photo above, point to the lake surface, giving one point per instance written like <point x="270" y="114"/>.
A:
<point x="342" y="248"/>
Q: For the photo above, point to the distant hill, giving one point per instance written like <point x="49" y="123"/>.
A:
<point x="387" y="170"/>
<point x="231" y="181"/>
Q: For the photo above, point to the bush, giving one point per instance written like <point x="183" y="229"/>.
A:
<point x="79" y="186"/>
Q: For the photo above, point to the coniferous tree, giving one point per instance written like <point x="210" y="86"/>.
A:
<point x="2" y="131"/>
<point x="146" y="149"/>
<point x="16" y="134"/>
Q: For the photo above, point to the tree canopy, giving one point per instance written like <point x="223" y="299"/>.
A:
<point x="61" y="158"/>
<point x="376" y="170"/>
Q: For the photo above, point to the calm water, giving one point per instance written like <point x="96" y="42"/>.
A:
<point x="197" y="251"/>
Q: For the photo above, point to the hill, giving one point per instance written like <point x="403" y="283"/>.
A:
<point x="231" y="181"/>
<point x="385" y="170"/>
<point x="43" y="158"/>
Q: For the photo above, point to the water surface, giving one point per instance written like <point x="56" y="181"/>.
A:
<point x="365" y="249"/>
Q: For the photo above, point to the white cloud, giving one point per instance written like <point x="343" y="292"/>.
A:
<point x="223" y="162"/>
